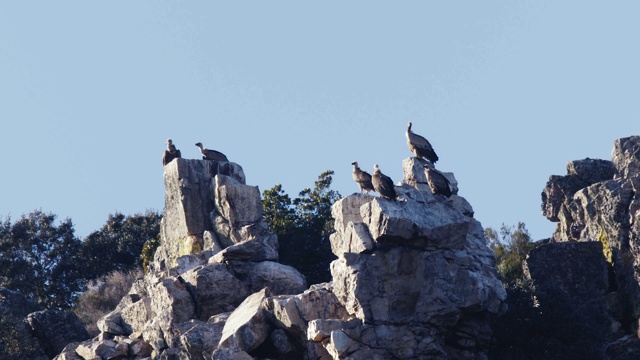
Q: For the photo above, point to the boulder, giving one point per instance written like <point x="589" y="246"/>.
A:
<point x="239" y="204"/>
<point x="105" y="349"/>
<point x="626" y="156"/>
<point x="16" y="340"/>
<point x="263" y="248"/>
<point x="278" y="278"/>
<point x="199" y="338"/>
<point x="246" y="328"/>
<point x="54" y="329"/>
<point x="216" y="289"/>
<point x="172" y="303"/>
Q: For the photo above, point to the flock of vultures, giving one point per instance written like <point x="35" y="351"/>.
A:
<point x="378" y="182"/>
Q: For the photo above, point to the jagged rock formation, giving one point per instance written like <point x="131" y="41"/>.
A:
<point x="598" y="201"/>
<point x="28" y="332"/>
<point x="414" y="279"/>
<point x="415" y="274"/>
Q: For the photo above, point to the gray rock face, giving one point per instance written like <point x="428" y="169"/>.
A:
<point x="54" y="329"/>
<point x="217" y="290"/>
<point x="597" y="201"/>
<point x="580" y="174"/>
<point x="626" y="156"/>
<point x="584" y="277"/>
<point x="410" y="274"/>
<point x="189" y="201"/>
<point x="246" y="329"/>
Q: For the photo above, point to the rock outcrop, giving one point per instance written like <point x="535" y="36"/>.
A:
<point x="417" y="276"/>
<point x="28" y="332"/>
<point x="598" y="201"/>
<point x="414" y="279"/>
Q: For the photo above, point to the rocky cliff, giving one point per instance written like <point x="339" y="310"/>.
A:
<point x="597" y="208"/>
<point x="414" y="279"/>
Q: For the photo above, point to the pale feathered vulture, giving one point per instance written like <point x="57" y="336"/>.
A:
<point x="170" y="154"/>
<point x="361" y="177"/>
<point x="420" y="146"/>
<point x="208" y="154"/>
<point x="383" y="184"/>
<point x="438" y="183"/>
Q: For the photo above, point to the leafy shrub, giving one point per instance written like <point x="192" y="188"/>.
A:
<point x="103" y="295"/>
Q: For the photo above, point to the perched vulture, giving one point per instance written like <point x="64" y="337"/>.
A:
<point x="363" y="178"/>
<point x="170" y="154"/>
<point x="420" y="146"/>
<point x="382" y="184"/>
<point x="438" y="183"/>
<point x="208" y="154"/>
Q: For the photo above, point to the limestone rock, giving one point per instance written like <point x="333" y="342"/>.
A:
<point x="199" y="338"/>
<point x="412" y="273"/>
<point x="414" y="174"/>
<point x="238" y="203"/>
<point x="436" y="224"/>
<point x="580" y="174"/>
<point x="136" y="315"/>
<point x="105" y="349"/>
<point x="189" y="201"/>
<point x="172" y="304"/>
<point x="216" y="289"/>
<point x="278" y="278"/>
<point x="54" y="329"/>
<point x="246" y="328"/>
<point x="263" y="248"/>
<point x="414" y="279"/>
<point x="626" y="156"/>
<point x="231" y="354"/>
<point x="292" y="313"/>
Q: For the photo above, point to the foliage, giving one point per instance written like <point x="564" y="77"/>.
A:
<point x="277" y="211"/>
<point x="48" y="264"/>
<point x="40" y="259"/>
<point x="118" y="244"/>
<point x="303" y="226"/>
<point x="103" y="295"/>
<point x="510" y="246"/>
<point x="606" y="248"/>
<point x="148" y="251"/>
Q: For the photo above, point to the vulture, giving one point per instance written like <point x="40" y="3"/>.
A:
<point x="438" y="183"/>
<point x="420" y="146"/>
<point x="208" y="154"/>
<point x="382" y="184"/>
<point x="363" y="178"/>
<point x="170" y="154"/>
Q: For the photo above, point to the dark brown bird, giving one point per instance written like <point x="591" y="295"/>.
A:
<point x="420" y="146"/>
<point x="382" y="184"/>
<point x="438" y="183"/>
<point x="208" y="154"/>
<point x="361" y="177"/>
<point x="170" y="154"/>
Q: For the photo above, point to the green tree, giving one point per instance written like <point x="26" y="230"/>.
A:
<point x="40" y="259"/>
<point x="118" y="244"/>
<point x="303" y="226"/>
<point x="510" y="246"/>
<point x="277" y="210"/>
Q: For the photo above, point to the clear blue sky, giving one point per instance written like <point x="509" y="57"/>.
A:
<point x="506" y="91"/>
